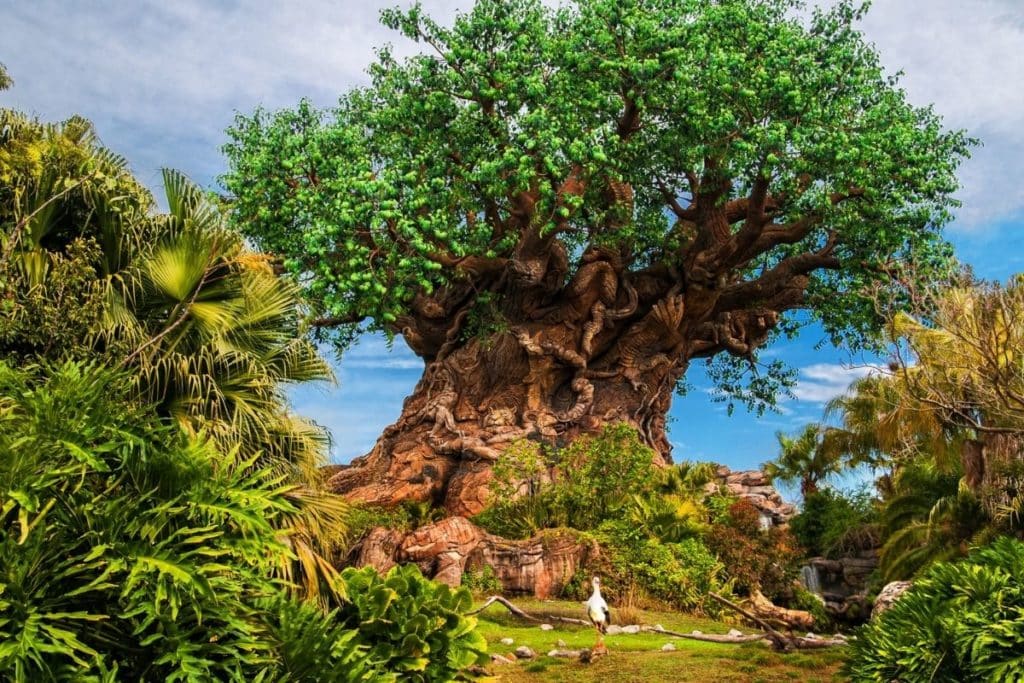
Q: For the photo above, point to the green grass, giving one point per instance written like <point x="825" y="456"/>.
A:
<point x="639" y="657"/>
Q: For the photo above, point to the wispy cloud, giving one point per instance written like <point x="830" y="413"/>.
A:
<point x="968" y="59"/>
<point x="163" y="80"/>
<point x="373" y="352"/>
<point x="822" y="382"/>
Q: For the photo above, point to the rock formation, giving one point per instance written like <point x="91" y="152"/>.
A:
<point x="842" y="583"/>
<point x="755" y="486"/>
<point x="539" y="566"/>
<point x="888" y="596"/>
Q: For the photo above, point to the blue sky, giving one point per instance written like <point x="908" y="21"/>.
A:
<point x="162" y="80"/>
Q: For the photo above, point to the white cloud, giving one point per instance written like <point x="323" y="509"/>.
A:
<point x="968" y="59"/>
<point x="163" y="80"/>
<point x="822" y="382"/>
<point x="373" y="352"/>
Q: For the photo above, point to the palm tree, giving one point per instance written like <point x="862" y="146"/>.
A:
<point x="69" y="211"/>
<point x="803" y="458"/>
<point x="209" y="333"/>
<point x="881" y="427"/>
<point x="213" y="336"/>
<point x="929" y="517"/>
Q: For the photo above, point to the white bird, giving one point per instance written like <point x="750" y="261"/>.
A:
<point x="597" y="611"/>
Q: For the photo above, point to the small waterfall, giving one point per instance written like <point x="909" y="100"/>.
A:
<point x="809" y="577"/>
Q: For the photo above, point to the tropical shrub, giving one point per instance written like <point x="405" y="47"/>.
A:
<point x="311" y="646"/>
<point x="69" y="210"/>
<point x="594" y="479"/>
<point x="635" y="566"/>
<point x="481" y="581"/>
<point x="961" y="621"/>
<point x="128" y="550"/>
<point x="803" y="599"/>
<point x="828" y="518"/>
<point x="412" y="626"/>
<point x="209" y="332"/>
<point x="755" y="558"/>
<point x="928" y="517"/>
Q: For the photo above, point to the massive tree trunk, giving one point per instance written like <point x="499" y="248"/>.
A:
<point x="549" y="363"/>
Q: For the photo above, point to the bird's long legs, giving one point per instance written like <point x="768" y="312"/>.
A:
<point x="599" y="646"/>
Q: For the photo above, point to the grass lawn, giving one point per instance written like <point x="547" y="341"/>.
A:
<point x="639" y="657"/>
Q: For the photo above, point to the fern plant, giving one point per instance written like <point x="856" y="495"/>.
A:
<point x="962" y="621"/>
<point x="129" y="551"/>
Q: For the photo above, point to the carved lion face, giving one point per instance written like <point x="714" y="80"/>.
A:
<point x="500" y="417"/>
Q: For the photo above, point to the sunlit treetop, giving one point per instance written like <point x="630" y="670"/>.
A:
<point x="745" y="147"/>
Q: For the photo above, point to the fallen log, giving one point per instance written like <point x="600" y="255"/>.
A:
<point x="790" y="618"/>
<point x="780" y="641"/>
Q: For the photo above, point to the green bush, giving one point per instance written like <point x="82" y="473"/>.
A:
<point x="364" y="517"/>
<point x="314" y="647"/>
<point x="594" y="479"/>
<point x="807" y="601"/>
<point x="754" y="558"/>
<point x="413" y="627"/>
<point x="828" y="519"/>
<point x="481" y="581"/>
<point x="962" y="621"/>
<point x="129" y="551"/>
<point x="677" y="574"/>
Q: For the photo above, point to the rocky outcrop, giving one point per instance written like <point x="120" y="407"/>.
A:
<point x="888" y="596"/>
<point x="842" y="583"/>
<point x="539" y="566"/>
<point x="755" y="486"/>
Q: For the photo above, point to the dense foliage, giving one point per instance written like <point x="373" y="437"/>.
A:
<point x="637" y="568"/>
<point x="208" y="333"/>
<point x="961" y="621"/>
<point x="129" y="551"/>
<point x="588" y="482"/>
<point x="161" y="512"/>
<point x="665" y="535"/>
<point x="87" y="266"/>
<point x="412" y="626"/>
<point x="830" y="522"/>
<point x="755" y="558"/>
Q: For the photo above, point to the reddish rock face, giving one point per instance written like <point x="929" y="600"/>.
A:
<point x="540" y="566"/>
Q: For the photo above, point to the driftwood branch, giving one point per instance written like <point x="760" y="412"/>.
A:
<point x="780" y="641"/>
<point x="523" y="615"/>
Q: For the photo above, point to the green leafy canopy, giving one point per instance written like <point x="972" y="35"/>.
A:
<point x="410" y="184"/>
